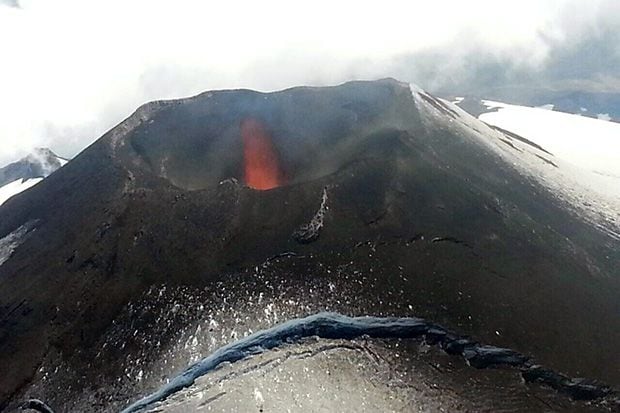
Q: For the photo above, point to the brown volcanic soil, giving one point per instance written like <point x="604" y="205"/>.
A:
<point x="424" y="214"/>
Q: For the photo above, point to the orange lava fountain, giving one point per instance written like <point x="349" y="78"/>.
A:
<point x="260" y="158"/>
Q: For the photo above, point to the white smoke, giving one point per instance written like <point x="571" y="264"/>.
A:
<point x="72" y="69"/>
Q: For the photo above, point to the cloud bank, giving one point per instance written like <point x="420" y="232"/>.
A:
<point x="9" y="3"/>
<point x="73" y="69"/>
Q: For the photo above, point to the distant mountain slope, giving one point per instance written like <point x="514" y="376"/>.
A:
<point x="589" y="143"/>
<point x="586" y="103"/>
<point x="28" y="171"/>
<point x="584" y="151"/>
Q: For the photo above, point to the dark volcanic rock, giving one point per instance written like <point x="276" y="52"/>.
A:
<point x="419" y="217"/>
<point x="580" y="389"/>
<point x="37" y="405"/>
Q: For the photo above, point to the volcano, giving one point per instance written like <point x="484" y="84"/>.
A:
<point x="198" y="223"/>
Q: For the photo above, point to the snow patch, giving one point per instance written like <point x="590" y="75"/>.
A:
<point x="587" y="143"/>
<point x="15" y="187"/>
<point x="258" y="396"/>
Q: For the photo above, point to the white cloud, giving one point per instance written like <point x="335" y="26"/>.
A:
<point x="73" y="68"/>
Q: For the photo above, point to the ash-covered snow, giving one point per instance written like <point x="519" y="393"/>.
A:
<point x="9" y="243"/>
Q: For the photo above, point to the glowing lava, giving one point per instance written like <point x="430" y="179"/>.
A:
<point x="260" y="158"/>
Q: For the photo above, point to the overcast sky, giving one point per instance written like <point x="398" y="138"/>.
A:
<point x="70" y="70"/>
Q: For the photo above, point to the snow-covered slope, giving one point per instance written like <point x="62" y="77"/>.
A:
<point x="16" y="187"/>
<point x="27" y="172"/>
<point x="587" y="143"/>
<point x="577" y="158"/>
